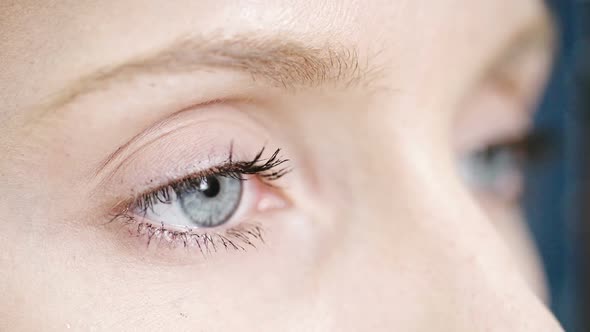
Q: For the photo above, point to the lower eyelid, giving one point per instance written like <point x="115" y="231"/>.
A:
<point x="499" y="178"/>
<point x="205" y="242"/>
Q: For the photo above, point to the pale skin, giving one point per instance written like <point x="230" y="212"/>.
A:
<point x="372" y="102"/>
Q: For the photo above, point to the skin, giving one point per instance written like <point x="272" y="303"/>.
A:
<point x="373" y="230"/>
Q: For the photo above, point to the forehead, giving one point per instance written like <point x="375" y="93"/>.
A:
<point x="47" y="45"/>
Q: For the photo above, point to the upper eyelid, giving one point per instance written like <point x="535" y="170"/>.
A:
<point x="163" y="128"/>
<point x="158" y="131"/>
<point x="256" y="166"/>
<point x="538" y="33"/>
<point x="147" y="136"/>
<point x="236" y="166"/>
<point x="186" y="142"/>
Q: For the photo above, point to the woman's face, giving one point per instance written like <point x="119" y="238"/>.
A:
<point x="140" y="189"/>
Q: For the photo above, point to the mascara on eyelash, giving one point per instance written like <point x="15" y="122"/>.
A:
<point x="236" y="238"/>
<point x="207" y="239"/>
<point x="265" y="168"/>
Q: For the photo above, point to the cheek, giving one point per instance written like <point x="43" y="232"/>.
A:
<point x="88" y="281"/>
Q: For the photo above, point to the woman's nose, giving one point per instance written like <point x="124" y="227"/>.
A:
<point x="406" y="251"/>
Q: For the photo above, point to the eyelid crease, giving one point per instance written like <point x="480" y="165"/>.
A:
<point x="140" y="136"/>
<point x="152" y="134"/>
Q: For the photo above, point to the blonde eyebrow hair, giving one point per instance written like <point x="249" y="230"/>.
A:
<point x="280" y="62"/>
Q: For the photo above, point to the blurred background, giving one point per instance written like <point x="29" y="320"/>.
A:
<point x="556" y="202"/>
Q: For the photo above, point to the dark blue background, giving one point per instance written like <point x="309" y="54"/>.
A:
<point x="552" y="202"/>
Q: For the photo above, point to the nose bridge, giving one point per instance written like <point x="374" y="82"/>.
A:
<point x="411" y="247"/>
<point x="404" y="245"/>
<point x="372" y="275"/>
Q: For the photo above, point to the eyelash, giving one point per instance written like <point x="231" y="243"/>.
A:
<point x="537" y="146"/>
<point x="238" y="237"/>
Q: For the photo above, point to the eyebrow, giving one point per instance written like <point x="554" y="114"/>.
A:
<point x="280" y="62"/>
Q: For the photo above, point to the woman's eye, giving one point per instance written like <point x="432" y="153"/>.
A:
<point x="208" y="208"/>
<point x="498" y="169"/>
<point x="491" y="168"/>
<point x="203" y="202"/>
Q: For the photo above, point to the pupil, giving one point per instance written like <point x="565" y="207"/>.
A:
<point x="210" y="186"/>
